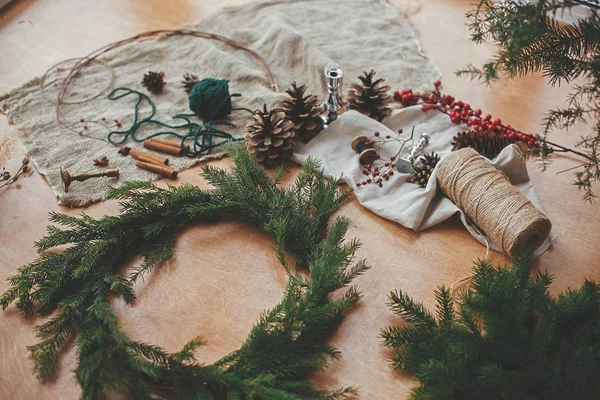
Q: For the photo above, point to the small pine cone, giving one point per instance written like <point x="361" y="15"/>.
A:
<point x="154" y="81"/>
<point x="423" y="171"/>
<point x="270" y="136"/>
<point x="188" y="82"/>
<point x="371" y="97"/>
<point x="487" y="143"/>
<point x="304" y="112"/>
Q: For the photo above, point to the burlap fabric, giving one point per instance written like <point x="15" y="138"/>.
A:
<point x="298" y="39"/>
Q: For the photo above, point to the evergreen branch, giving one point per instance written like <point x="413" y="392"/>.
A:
<point x="529" y="39"/>
<point x="509" y="339"/>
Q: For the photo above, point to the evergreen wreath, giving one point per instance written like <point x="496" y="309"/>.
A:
<point x="284" y="346"/>
<point x="507" y="339"/>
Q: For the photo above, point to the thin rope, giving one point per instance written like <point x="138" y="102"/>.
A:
<point x="142" y="37"/>
<point x="467" y="279"/>
<point x="54" y="101"/>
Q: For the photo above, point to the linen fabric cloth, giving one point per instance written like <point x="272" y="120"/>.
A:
<point x="298" y="39"/>
<point x="399" y="200"/>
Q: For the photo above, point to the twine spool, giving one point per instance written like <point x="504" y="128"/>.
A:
<point x="497" y="207"/>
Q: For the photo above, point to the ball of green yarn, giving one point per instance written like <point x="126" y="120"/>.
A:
<point x="210" y="99"/>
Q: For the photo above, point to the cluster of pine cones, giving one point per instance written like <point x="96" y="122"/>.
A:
<point x="271" y="134"/>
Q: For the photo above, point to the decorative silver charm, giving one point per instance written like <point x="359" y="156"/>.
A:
<point x="334" y="99"/>
<point x="406" y="165"/>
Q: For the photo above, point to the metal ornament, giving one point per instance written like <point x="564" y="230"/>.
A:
<point x="334" y="99"/>
<point x="406" y="165"/>
<point x="67" y="178"/>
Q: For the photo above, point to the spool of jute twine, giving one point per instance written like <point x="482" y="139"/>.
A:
<point x="486" y="196"/>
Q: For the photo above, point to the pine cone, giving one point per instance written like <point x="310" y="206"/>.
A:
<point x="188" y="82"/>
<point x="154" y="81"/>
<point x="371" y="98"/>
<point x="270" y="136"/>
<point x="423" y="171"/>
<point x="304" y="112"/>
<point x="489" y="143"/>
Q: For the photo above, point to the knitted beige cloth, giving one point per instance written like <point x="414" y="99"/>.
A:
<point x="298" y="39"/>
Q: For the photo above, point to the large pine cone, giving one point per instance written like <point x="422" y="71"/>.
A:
<point x="423" y="171"/>
<point x="154" y="81"/>
<point x="371" y="97"/>
<point x="270" y="136"/>
<point x="487" y="143"/>
<point x="304" y="112"/>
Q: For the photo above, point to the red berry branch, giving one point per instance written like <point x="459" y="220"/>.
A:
<point x="382" y="168"/>
<point x="461" y="112"/>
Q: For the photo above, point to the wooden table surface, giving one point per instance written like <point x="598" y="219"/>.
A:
<point x="224" y="275"/>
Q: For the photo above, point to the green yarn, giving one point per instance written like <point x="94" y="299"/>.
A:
<point x="198" y="136"/>
<point x="210" y="99"/>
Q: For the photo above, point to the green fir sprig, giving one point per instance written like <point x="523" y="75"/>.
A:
<point x="285" y="345"/>
<point x="506" y="338"/>
<point x="529" y="40"/>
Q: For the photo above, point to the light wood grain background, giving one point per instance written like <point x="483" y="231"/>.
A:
<point x="224" y="275"/>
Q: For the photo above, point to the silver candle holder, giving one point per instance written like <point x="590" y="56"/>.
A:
<point x="334" y="99"/>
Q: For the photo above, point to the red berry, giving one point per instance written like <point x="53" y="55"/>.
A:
<point x="400" y="131"/>
<point x="387" y="136"/>
<point x="437" y="83"/>
<point x="391" y="173"/>
<point x="82" y="120"/>
<point x="467" y="106"/>
<point x="488" y="117"/>
<point x="358" y="184"/>
<point x="369" y="180"/>
<point x="376" y="134"/>
<point x="393" y="158"/>
<point x="478" y="112"/>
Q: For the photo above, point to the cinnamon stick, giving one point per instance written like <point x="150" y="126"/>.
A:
<point x="162" y="148"/>
<point x="158" y="169"/>
<point x="137" y="154"/>
<point x="171" y="143"/>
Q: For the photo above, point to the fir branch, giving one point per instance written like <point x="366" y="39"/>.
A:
<point x="508" y="339"/>
<point x="529" y="39"/>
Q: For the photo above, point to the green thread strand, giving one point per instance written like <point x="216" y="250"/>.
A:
<point x="202" y="134"/>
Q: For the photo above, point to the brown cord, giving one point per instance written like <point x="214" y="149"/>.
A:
<point x="142" y="37"/>
<point x="497" y="207"/>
